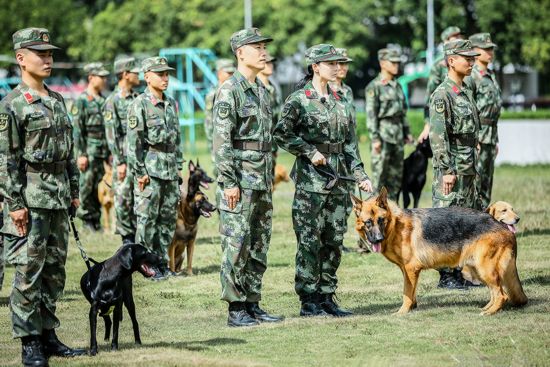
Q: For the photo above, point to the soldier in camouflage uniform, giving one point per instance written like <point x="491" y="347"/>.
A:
<point x="90" y="143"/>
<point x="115" y="113"/>
<point x="224" y="69"/>
<point x="387" y="124"/>
<point x="39" y="181"/>
<point x="1" y="243"/>
<point x="242" y="143"/>
<point x="454" y="129"/>
<point x="438" y="72"/>
<point x="317" y="127"/>
<point x="487" y="95"/>
<point x="155" y="159"/>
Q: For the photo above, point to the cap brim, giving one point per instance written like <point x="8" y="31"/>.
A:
<point x="159" y="69"/>
<point x="467" y="53"/>
<point x="258" y="39"/>
<point x="134" y="70"/>
<point x="394" y="59"/>
<point x="347" y="59"/>
<point x="100" y="73"/>
<point x="228" y="70"/>
<point x="43" y="47"/>
<point x="333" y="58"/>
<point x="486" y="45"/>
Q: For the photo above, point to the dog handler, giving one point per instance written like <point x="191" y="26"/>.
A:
<point x="316" y="126"/>
<point x="39" y="181"/>
<point x="242" y="145"/>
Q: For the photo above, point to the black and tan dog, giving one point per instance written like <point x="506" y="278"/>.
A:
<point x="193" y="204"/>
<point x="419" y="239"/>
<point x="108" y="285"/>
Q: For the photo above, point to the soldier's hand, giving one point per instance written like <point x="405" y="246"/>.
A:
<point x="75" y="203"/>
<point x="232" y="196"/>
<point x="409" y="139"/>
<point x="424" y="134"/>
<point x="82" y="163"/>
<point x="376" y="146"/>
<point x="318" y="159"/>
<point x="448" y="183"/>
<point x="121" y="172"/>
<point x="142" y="182"/>
<point x="496" y="150"/>
<point x="366" y="185"/>
<point x="20" y="218"/>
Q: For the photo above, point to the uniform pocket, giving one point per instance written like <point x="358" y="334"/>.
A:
<point x="36" y="136"/>
<point x="155" y="130"/>
<point x="17" y="250"/>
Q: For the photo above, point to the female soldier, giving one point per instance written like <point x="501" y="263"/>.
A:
<point x="316" y="126"/>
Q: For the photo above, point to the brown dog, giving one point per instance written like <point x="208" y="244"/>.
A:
<point x="281" y="175"/>
<point x="504" y="213"/>
<point x="435" y="238"/>
<point x="106" y="195"/>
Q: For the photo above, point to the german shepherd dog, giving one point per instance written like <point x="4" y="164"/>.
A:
<point x="106" y="197"/>
<point x="192" y="206"/>
<point x="418" y="239"/>
<point x="414" y="173"/>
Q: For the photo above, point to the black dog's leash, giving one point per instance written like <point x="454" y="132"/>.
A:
<point x="83" y="253"/>
<point x="334" y="177"/>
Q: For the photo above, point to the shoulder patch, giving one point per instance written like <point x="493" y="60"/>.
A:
<point x="223" y="109"/>
<point x="4" y="118"/>
<point x="370" y="93"/>
<point x="74" y="110"/>
<point x="439" y="105"/>
<point x="132" y="122"/>
<point x="108" y="115"/>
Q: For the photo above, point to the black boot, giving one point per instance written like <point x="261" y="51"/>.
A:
<point x="331" y="307"/>
<point x="254" y="310"/>
<point x="311" y="306"/>
<point x="91" y="225"/>
<point x="128" y="239"/>
<point x="450" y="279"/>
<point x="53" y="347"/>
<point x="239" y="317"/>
<point x="31" y="352"/>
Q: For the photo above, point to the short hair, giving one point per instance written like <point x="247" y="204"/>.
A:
<point x="119" y="76"/>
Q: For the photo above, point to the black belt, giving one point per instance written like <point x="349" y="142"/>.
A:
<point x="486" y="121"/>
<point x="53" y="168"/>
<point x="393" y="119"/>
<point x="164" y="148"/>
<point x="467" y="140"/>
<point x="95" y="134"/>
<point x="260" y="146"/>
<point x="330" y="148"/>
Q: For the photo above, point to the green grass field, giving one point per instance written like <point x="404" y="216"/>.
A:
<point x="183" y="322"/>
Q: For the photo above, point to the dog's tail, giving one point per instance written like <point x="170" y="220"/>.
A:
<point x="511" y="282"/>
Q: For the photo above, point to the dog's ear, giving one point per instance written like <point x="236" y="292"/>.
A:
<point x="125" y="256"/>
<point x="382" y="199"/>
<point x="191" y="166"/>
<point x="357" y="204"/>
<point x="198" y="164"/>
<point x="491" y="210"/>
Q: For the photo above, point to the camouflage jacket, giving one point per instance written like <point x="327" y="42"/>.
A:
<point x="88" y="126"/>
<point x="488" y="99"/>
<point x="154" y="138"/>
<point x="345" y="93"/>
<point x="386" y="111"/>
<point x="438" y="73"/>
<point x="242" y="112"/>
<point x="305" y="123"/>
<point x="208" y="113"/>
<point x="276" y="99"/>
<point x="115" y="112"/>
<point x="36" y="130"/>
<point x="454" y="128"/>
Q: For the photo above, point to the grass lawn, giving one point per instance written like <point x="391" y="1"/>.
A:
<point x="183" y="322"/>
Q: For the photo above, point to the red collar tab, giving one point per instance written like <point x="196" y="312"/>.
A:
<point x="384" y="81"/>
<point x="90" y="98"/>
<point x="455" y="89"/>
<point x="28" y="97"/>
<point x="335" y="94"/>
<point x="482" y="72"/>
<point x="308" y="93"/>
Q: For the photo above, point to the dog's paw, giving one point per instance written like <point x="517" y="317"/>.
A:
<point x="93" y="351"/>
<point x="114" y="346"/>
<point x="138" y="342"/>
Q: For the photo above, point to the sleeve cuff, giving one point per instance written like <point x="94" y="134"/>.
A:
<point x="14" y="205"/>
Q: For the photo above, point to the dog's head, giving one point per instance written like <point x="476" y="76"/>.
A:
<point x="425" y="148"/>
<point x="373" y="216"/>
<point x="201" y="205"/>
<point x="137" y="257"/>
<point x="504" y="213"/>
<point x="198" y="177"/>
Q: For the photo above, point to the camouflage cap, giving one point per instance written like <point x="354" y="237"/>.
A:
<point x="33" y="38"/>
<point x="482" y="40"/>
<point x="225" y="65"/>
<point x="247" y="36"/>
<point x="344" y="53"/>
<point x="390" y="54"/>
<point x="127" y="64"/>
<point x="322" y="52"/>
<point x="449" y="32"/>
<point x="96" y="68"/>
<point x="459" y="47"/>
<point x="156" y="64"/>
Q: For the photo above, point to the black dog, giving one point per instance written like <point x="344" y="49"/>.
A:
<point x="414" y="173"/>
<point x="108" y="284"/>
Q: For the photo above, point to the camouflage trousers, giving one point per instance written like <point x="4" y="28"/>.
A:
<point x="486" y="169"/>
<point x="90" y="208"/>
<point x="124" y="205"/>
<point x="464" y="193"/>
<point x="1" y="251"/>
<point x="319" y="223"/>
<point x="39" y="261"/>
<point x="245" y="236"/>
<point x="155" y="208"/>
<point x="387" y="169"/>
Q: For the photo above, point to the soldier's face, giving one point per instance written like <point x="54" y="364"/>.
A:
<point x="97" y="82"/>
<point x="253" y="55"/>
<point x="462" y="64"/>
<point x="268" y="70"/>
<point x="486" y="55"/>
<point x="157" y="80"/>
<point x="34" y="62"/>
<point x="223" y="76"/>
<point x="390" y="67"/>
<point x="343" y="68"/>
<point x="327" y="70"/>
<point x="132" y="78"/>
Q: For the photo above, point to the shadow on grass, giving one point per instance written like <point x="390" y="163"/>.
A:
<point x="538" y="279"/>
<point x="215" y="268"/>
<point x="192" y="345"/>
<point x="4" y="301"/>
<point x="534" y="232"/>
